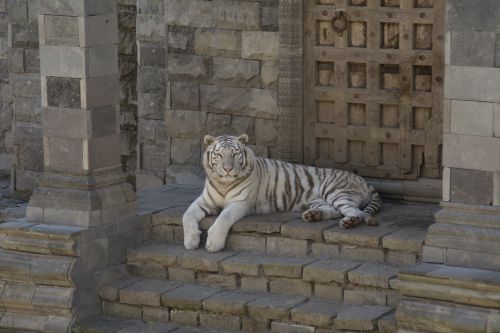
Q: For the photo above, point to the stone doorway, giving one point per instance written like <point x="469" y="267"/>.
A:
<point x="373" y="82"/>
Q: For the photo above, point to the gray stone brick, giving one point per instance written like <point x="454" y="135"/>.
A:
<point x="121" y="310"/>
<point x="23" y="35"/>
<point x="433" y="254"/>
<point x="297" y="229"/>
<point x="155" y="156"/>
<point x="63" y="92"/>
<point x="246" y="243"/>
<point x="236" y="72"/>
<point x="329" y="271"/>
<point x="480" y="50"/>
<point x="269" y="74"/>
<point x="218" y="43"/>
<point x="151" y="28"/>
<point x="146" y="292"/>
<point x="273" y="306"/>
<point x="188" y="297"/>
<point x="315" y="313"/>
<point x="185" y="151"/>
<point x="155" y="314"/>
<point x="468" y="16"/>
<point x="406" y="240"/>
<point x="360" y="318"/>
<point x="284" y="266"/>
<point x="229" y="302"/>
<point x="471" y="187"/>
<point x="287" y="246"/>
<point x="472" y="118"/>
<point x="151" y="54"/>
<point x="398" y="258"/>
<point x="77" y="7"/>
<point x="288" y="286"/>
<point x="472" y="83"/>
<point x="367" y="297"/>
<point x="471" y="152"/>
<point x="325" y="250"/>
<point x="18" y="10"/>
<point x="202" y="260"/>
<point x="254" y="325"/>
<point x="363" y="236"/>
<point x="362" y="253"/>
<point x="374" y="275"/>
<point x="185" y="124"/>
<point x="61" y="30"/>
<point x="181" y="275"/>
<point x="31" y="60"/>
<point x="221" y="322"/>
<point x="254" y="284"/>
<point x="243" y="264"/>
<point x="217" y="280"/>
<point x="191" y="68"/>
<point x="183" y="317"/>
<point x="150" y="6"/>
<point x="260" y="45"/>
<point x="163" y="254"/>
<point x="277" y="327"/>
<point x="185" y="96"/>
<point x="181" y="40"/>
<point x="263" y="224"/>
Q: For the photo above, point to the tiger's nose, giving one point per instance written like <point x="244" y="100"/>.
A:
<point x="228" y="168"/>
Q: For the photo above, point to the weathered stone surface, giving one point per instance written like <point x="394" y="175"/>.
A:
<point x="242" y="264"/>
<point x="63" y="92"/>
<point x="151" y="28"/>
<point x="223" y="43"/>
<point x="236" y="72"/>
<point x="188" y="67"/>
<point x="471" y="83"/>
<point x="151" y="54"/>
<point x="185" y="151"/>
<point x="316" y="313"/>
<point x="472" y="118"/>
<point x="217" y="280"/>
<point x="269" y="74"/>
<point x="184" y="317"/>
<point x="264" y="224"/>
<point x="471" y="187"/>
<point x="273" y="307"/>
<point x="388" y="324"/>
<point x="246" y="243"/>
<point x="329" y="271"/>
<point x="224" y="14"/>
<point x="76" y="8"/>
<point x="181" y="275"/>
<point x="254" y="284"/>
<point x="155" y="314"/>
<point x="298" y="229"/>
<point x="106" y="324"/>
<point x="185" y="124"/>
<point x="162" y="254"/>
<point x="288" y="286"/>
<point x="361" y="236"/>
<point x="111" y="292"/>
<point x="463" y="16"/>
<point x="366" y="297"/>
<point x="184" y="96"/>
<point x="283" y="266"/>
<point x="261" y="45"/>
<point x="202" y="260"/>
<point x="239" y="101"/>
<point x="229" y="302"/>
<point x="61" y="30"/>
<point x="286" y="246"/>
<point x="146" y="292"/>
<point x="187" y="297"/>
<point x="361" y="317"/>
<point x="480" y="41"/>
<point x="325" y="250"/>
<point x="328" y="291"/>
<point x="121" y="310"/>
<point x="278" y="327"/>
<point x="374" y="275"/>
<point x="222" y="322"/>
<point x="406" y="240"/>
<point x="181" y="40"/>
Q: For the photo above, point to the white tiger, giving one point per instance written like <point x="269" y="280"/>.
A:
<point x="239" y="184"/>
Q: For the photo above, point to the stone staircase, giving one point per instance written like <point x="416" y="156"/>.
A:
<point x="277" y="274"/>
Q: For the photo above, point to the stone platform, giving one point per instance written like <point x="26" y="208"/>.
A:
<point x="277" y="274"/>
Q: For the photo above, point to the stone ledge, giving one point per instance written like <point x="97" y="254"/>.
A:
<point x="455" y="284"/>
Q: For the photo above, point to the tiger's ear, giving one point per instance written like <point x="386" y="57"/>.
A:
<point x="243" y="139"/>
<point x="208" y="139"/>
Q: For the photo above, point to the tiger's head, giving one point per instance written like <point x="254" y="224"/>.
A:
<point x="227" y="158"/>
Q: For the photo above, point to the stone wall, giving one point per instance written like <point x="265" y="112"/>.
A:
<point x="5" y="96"/>
<point x="472" y="96"/>
<point x="467" y="232"/>
<point x="20" y="110"/>
<point x="205" y="67"/>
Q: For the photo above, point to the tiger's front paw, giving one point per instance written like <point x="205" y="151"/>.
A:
<point x="349" y="222"/>
<point x="216" y="241"/>
<point x="312" y="215"/>
<point x="191" y="239"/>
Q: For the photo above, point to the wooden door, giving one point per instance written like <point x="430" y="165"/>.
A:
<point x="374" y="86"/>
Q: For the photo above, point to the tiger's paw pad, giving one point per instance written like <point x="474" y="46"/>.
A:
<point x="371" y="222"/>
<point x="349" y="222"/>
<point x="312" y="215"/>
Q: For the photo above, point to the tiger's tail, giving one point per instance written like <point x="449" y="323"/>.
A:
<point x="375" y="202"/>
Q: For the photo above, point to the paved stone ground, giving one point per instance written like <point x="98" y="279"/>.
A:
<point x="10" y="208"/>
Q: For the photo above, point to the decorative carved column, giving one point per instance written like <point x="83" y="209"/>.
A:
<point x="291" y="76"/>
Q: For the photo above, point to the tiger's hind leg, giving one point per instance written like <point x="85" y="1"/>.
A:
<point x="353" y="216"/>
<point x="320" y="210"/>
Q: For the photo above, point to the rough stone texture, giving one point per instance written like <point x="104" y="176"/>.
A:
<point x="316" y="313"/>
<point x="360" y="318"/>
<point x="187" y="297"/>
<point x="273" y="307"/>
<point x="329" y="271"/>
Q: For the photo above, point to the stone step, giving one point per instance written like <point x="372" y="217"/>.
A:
<point x="21" y="321"/>
<point x="397" y="240"/>
<point x="103" y="324"/>
<point x="340" y="279"/>
<point x="468" y="286"/>
<point x="219" y="308"/>
<point x="20" y="235"/>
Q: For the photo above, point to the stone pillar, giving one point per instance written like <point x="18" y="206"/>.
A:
<point x="83" y="184"/>
<point x="468" y="230"/>
<point x="82" y="218"/>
